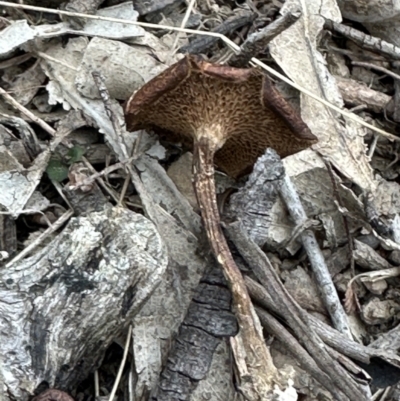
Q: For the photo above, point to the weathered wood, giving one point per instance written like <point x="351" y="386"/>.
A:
<point x="61" y="308"/>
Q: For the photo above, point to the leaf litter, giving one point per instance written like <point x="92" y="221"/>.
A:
<point x="347" y="184"/>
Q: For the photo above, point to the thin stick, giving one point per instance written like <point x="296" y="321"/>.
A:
<point x="27" y="113"/>
<point x="291" y="345"/>
<point x="15" y="61"/>
<point x="227" y="41"/>
<point x="131" y="385"/>
<point x="317" y="261"/>
<point x="339" y="384"/>
<point x="183" y="24"/>
<point x="257" y="42"/>
<point x="89" y="180"/>
<point x="124" y="189"/>
<point x="377" y="68"/>
<point x="55" y="226"/>
<point x="365" y="41"/>
<point x="54" y="60"/>
<point x="121" y="367"/>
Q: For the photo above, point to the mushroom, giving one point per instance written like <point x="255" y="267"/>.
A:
<point x="231" y="116"/>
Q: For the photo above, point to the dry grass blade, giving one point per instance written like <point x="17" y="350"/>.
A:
<point x="121" y="367"/>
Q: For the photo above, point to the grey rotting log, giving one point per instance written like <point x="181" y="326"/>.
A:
<point x="207" y="322"/>
<point x="83" y="288"/>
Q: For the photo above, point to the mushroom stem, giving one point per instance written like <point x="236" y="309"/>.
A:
<point x="258" y="358"/>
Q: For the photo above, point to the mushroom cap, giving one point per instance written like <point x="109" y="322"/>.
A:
<point x="237" y="111"/>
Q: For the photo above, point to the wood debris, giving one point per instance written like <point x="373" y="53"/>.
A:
<point x="96" y="237"/>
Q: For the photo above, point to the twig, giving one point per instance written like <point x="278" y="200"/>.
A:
<point x="59" y="189"/>
<point x="124" y="189"/>
<point x="111" y="19"/>
<point x="183" y="24"/>
<point x="118" y="140"/>
<point x="131" y="377"/>
<point x="317" y="261"/>
<point x="89" y="180"/>
<point x="15" y="61"/>
<point x="55" y="226"/>
<point x="376" y="396"/>
<point x="200" y="45"/>
<point x="357" y="94"/>
<point x="372" y="147"/>
<point x="258" y="41"/>
<point x="121" y="367"/>
<point x="339" y="383"/>
<point x="227" y="41"/>
<point x="376" y="67"/>
<point x="46" y="127"/>
<point x="135" y="155"/>
<point x="328" y="334"/>
<point x="122" y="151"/>
<point x="385" y="393"/>
<point x="396" y="99"/>
<point x="275" y="328"/>
<point x="365" y="41"/>
<point x="54" y="60"/>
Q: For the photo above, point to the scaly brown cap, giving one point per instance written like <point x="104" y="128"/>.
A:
<point x="239" y="111"/>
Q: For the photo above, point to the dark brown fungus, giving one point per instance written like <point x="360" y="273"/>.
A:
<point x="231" y="116"/>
